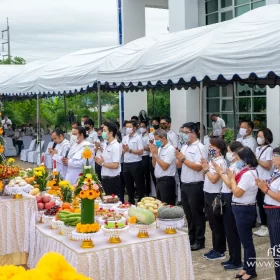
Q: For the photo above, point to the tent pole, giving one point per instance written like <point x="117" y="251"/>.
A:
<point x="99" y="105"/>
<point x="65" y="114"/>
<point x="38" y="127"/>
<point x="201" y="112"/>
<point x="234" y="108"/>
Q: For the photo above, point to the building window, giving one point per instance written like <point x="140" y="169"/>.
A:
<point x="222" y="10"/>
<point x="251" y="104"/>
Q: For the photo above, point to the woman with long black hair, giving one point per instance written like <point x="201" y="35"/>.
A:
<point x="244" y="191"/>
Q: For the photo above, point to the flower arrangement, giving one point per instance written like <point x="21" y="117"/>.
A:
<point x="41" y="174"/>
<point x="52" y="266"/>
<point x="8" y="171"/>
<point x="53" y="183"/>
<point x="2" y="141"/>
<point x="87" y="228"/>
<point x="66" y="191"/>
<point x="10" y="161"/>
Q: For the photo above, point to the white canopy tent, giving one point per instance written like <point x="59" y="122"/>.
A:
<point x="244" y="49"/>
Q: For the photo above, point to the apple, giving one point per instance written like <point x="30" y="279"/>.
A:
<point x="41" y="206"/>
<point x="46" y="198"/>
<point x="39" y="198"/>
<point x="48" y="205"/>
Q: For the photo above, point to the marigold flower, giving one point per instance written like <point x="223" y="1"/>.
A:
<point x="132" y="220"/>
<point x="87" y="153"/>
<point x="83" y="195"/>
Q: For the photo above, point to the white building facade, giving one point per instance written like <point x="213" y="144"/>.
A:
<point x="262" y="106"/>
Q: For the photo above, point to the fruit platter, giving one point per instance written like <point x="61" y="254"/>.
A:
<point x="49" y="214"/>
<point x="110" y="202"/>
<point x="123" y="208"/>
<point x="17" y="186"/>
<point x="170" y="218"/>
<point x="111" y="217"/>
<point x="114" y="230"/>
<point x="150" y="203"/>
<point x="69" y="221"/>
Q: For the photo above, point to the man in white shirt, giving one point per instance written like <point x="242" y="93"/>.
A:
<point x="192" y="184"/>
<point x="132" y="150"/>
<point x="92" y="134"/>
<point x="219" y="126"/>
<point x="30" y="131"/>
<point x="164" y="162"/>
<point x="110" y="160"/>
<point x="172" y="137"/>
<point x="6" y="121"/>
<point x="60" y="151"/>
<point x="83" y="120"/>
<point x="247" y="139"/>
<point x="146" y="157"/>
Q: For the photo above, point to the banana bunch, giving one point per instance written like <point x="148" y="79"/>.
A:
<point x="69" y="219"/>
<point x="150" y="203"/>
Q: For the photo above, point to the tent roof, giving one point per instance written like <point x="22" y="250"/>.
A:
<point x="73" y="72"/>
<point x="244" y="49"/>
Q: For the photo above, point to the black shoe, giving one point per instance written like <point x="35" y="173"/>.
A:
<point x="179" y="203"/>
<point x="239" y="276"/>
<point x="253" y="276"/>
<point x="196" y="247"/>
<point x="226" y="262"/>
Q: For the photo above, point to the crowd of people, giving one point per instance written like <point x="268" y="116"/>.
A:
<point x="241" y="178"/>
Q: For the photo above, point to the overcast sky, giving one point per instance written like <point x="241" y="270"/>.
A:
<point x="51" y="28"/>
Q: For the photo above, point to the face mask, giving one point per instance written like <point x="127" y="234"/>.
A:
<point x="142" y="129"/>
<point x="129" y="130"/>
<point x="260" y="141"/>
<point x="87" y="128"/>
<point x="240" y="164"/>
<point x="155" y="126"/>
<point x="74" y="139"/>
<point x="158" y="143"/>
<point x="163" y="126"/>
<point x="211" y="152"/>
<point x="185" y="137"/>
<point x="229" y="156"/>
<point x="104" y="135"/>
<point x="242" y="131"/>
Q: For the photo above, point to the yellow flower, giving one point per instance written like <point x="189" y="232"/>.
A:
<point x="1" y="186"/>
<point x="10" y="160"/>
<point x="8" y="271"/>
<point x="87" y="153"/>
<point x="38" y="173"/>
<point x="132" y="220"/>
<point x="55" y="173"/>
<point x="89" y="176"/>
<point x="83" y="194"/>
<point x="87" y="228"/>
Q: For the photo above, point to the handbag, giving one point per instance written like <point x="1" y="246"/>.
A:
<point x="217" y="205"/>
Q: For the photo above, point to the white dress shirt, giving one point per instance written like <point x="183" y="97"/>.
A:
<point x="173" y="138"/>
<point x="218" y="126"/>
<point x="111" y="154"/>
<point x="209" y="187"/>
<point x="92" y="137"/>
<point x="134" y="143"/>
<point x="248" y="184"/>
<point x="275" y="187"/>
<point x="249" y="142"/>
<point x="166" y="154"/>
<point x="6" y="122"/>
<point x="194" y="153"/>
<point x="61" y="150"/>
<point x="264" y="154"/>
<point x="146" y="141"/>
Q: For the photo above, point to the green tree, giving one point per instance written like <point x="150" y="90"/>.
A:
<point x="161" y="104"/>
<point x="16" y="60"/>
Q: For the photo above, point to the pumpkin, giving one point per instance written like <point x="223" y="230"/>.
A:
<point x="170" y="212"/>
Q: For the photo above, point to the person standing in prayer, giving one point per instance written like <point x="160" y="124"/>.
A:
<point x="246" y="132"/>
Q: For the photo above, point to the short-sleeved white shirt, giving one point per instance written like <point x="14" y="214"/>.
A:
<point x="167" y="154"/>
<point x="194" y="153"/>
<point x="249" y="142"/>
<point x="146" y="142"/>
<point x="275" y="187"/>
<point x="248" y="184"/>
<point x="233" y="168"/>
<point x="218" y="126"/>
<point x="111" y="153"/>
<point x="92" y="137"/>
<point x="266" y="155"/>
<point x="135" y="143"/>
<point x="209" y="187"/>
<point x="173" y="138"/>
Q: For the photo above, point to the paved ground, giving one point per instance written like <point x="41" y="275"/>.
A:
<point x="206" y="270"/>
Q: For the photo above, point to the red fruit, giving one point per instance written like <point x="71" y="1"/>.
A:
<point x="53" y="203"/>
<point x="41" y="206"/>
<point x="39" y="198"/>
<point x="48" y="205"/>
<point x="116" y="226"/>
<point x="46" y="198"/>
<point x="113" y="195"/>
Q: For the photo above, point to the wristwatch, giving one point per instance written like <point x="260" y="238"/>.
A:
<point x="130" y="150"/>
<point x="183" y="160"/>
<point x="156" y="157"/>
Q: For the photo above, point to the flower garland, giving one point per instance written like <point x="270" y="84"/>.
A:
<point x="87" y="228"/>
<point x="52" y="266"/>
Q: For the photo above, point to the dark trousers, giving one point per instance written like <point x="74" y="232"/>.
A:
<point x="216" y="224"/>
<point x="193" y="203"/>
<point x="167" y="190"/>
<point x="98" y="171"/>
<point x="245" y="218"/>
<point x="273" y="218"/>
<point x="111" y="185"/>
<point x="20" y="144"/>
<point x="260" y="201"/>
<point x="132" y="173"/>
<point x="122" y="186"/>
<point x="232" y="237"/>
<point x="145" y="163"/>
<point x="152" y="171"/>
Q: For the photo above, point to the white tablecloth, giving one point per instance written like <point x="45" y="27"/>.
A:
<point x="159" y="257"/>
<point x="17" y="224"/>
